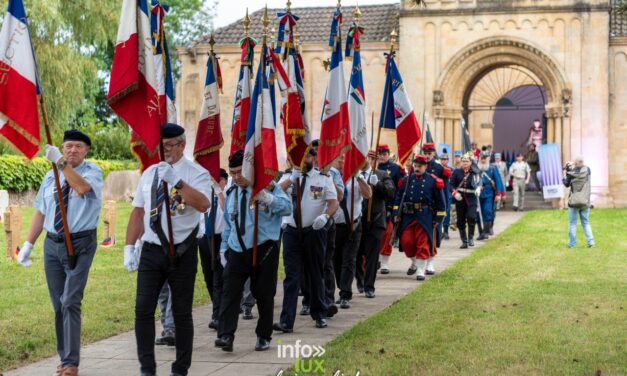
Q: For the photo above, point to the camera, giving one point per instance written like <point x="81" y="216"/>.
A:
<point x="568" y="166"/>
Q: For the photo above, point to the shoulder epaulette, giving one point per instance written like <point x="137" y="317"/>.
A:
<point x="228" y="191"/>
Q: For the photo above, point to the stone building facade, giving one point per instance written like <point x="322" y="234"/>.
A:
<point x="449" y="53"/>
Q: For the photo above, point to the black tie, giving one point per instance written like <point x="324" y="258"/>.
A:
<point x="58" y="219"/>
<point x="242" y="211"/>
<point x="158" y="197"/>
<point x="302" y="185"/>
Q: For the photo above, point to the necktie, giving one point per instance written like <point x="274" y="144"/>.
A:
<point x="212" y="216"/>
<point x="58" y="219"/>
<point x="302" y="185"/>
<point x="158" y="197"/>
<point x="242" y="212"/>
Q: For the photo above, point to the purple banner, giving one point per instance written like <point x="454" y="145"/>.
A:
<point x="551" y="168"/>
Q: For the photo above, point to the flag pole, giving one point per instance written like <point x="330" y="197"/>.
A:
<point x="264" y="42"/>
<point x="168" y="215"/>
<point x="393" y="36"/>
<point x="212" y="249"/>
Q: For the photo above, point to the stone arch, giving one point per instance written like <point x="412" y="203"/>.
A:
<point x="485" y="55"/>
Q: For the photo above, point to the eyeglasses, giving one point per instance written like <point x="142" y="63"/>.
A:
<point x="168" y="146"/>
<point x="235" y="173"/>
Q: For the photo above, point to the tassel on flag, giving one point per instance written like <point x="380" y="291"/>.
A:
<point x="145" y="157"/>
<point x="133" y="86"/>
<point x="356" y="155"/>
<point x="397" y="112"/>
<point x="19" y="117"/>
<point x="209" y="134"/>
<point x="335" y="137"/>
<point x="260" y="160"/>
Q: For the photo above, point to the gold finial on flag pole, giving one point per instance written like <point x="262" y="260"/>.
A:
<point x="357" y="14"/>
<point x="212" y="42"/>
<point x="265" y="21"/>
<point x="246" y="24"/>
<point x="289" y="6"/>
<point x="393" y="39"/>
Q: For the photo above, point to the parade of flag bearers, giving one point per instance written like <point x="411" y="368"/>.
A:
<point x="295" y="228"/>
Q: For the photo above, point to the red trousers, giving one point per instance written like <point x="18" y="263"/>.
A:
<point x="386" y="247"/>
<point x="415" y="242"/>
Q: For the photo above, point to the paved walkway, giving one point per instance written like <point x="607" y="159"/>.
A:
<point x="117" y="355"/>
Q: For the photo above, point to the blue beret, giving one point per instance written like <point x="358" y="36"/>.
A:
<point x="457" y="153"/>
<point x="171" y="130"/>
<point x="76" y="135"/>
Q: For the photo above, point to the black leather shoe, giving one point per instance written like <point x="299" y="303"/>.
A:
<point x="304" y="311"/>
<point x="370" y="294"/>
<point x="360" y="289"/>
<point x="321" y="323"/>
<point x="248" y="314"/>
<point x="344" y="304"/>
<point x="483" y="236"/>
<point x="280" y="327"/>
<point x="464" y="245"/>
<point x="224" y="342"/>
<point x="166" y="339"/>
<point x="420" y="277"/>
<point x="262" y="344"/>
<point x="471" y="242"/>
<point x="412" y="269"/>
<point x="430" y="272"/>
<point x="213" y="324"/>
<point x="331" y="311"/>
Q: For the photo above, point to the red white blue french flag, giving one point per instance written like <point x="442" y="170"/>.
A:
<point x="260" y="165"/>
<point x="397" y="112"/>
<point x="209" y="134"/>
<point x="335" y="129"/>
<point x="355" y="157"/>
<point x="163" y="69"/>
<point x="19" y="117"/>
<point x="133" y="87"/>
<point x="241" y="108"/>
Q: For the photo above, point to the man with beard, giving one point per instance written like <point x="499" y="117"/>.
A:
<point x="236" y="254"/>
<point x="419" y="210"/>
<point x="304" y="243"/>
<point x="394" y="171"/>
<point x="490" y="193"/>
<point x="440" y="171"/>
<point x="465" y="182"/>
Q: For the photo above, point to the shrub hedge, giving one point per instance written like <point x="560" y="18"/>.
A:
<point x="19" y="174"/>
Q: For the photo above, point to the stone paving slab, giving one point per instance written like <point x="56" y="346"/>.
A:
<point x="117" y="355"/>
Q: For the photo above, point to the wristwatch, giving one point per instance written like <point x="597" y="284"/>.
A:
<point x="179" y="184"/>
<point x="61" y="165"/>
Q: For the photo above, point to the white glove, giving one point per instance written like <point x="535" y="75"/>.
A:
<point x="22" y="257"/>
<point x="167" y="173"/>
<point x="53" y="154"/>
<point x="223" y="257"/>
<point x="296" y="174"/>
<point x="320" y="221"/>
<point x="478" y="191"/>
<point x="373" y="180"/>
<point x="130" y="262"/>
<point x="265" y="197"/>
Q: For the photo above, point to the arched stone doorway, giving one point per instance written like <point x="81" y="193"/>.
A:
<point x="469" y="66"/>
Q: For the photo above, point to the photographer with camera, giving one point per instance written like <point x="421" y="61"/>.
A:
<point x="577" y="177"/>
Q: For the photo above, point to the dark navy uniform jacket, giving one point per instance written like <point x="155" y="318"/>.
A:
<point x="394" y="172"/>
<point x="440" y="171"/>
<point x="466" y="184"/>
<point x="424" y="191"/>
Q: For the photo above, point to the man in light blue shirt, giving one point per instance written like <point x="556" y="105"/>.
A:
<point x="81" y="187"/>
<point x="237" y="256"/>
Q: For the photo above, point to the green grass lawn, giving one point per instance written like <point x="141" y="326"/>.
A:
<point x="26" y="316"/>
<point x="523" y="304"/>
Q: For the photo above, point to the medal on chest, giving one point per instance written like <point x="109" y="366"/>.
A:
<point x="177" y="203"/>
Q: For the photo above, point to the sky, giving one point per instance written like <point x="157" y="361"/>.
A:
<point x="231" y="10"/>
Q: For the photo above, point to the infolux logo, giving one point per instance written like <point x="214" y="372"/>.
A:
<point x="306" y="357"/>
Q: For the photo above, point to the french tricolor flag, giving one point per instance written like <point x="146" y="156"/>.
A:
<point x="209" y="134"/>
<point x="133" y="86"/>
<point x="335" y="136"/>
<point x="260" y="160"/>
<point x="163" y="69"/>
<point x="356" y="156"/>
<point x="19" y="119"/>
<point x="397" y="112"/>
<point x="241" y="109"/>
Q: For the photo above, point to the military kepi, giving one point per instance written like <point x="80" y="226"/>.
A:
<point x="420" y="159"/>
<point x="171" y="130"/>
<point x="76" y="135"/>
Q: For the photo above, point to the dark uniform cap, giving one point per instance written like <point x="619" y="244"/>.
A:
<point x="236" y="159"/>
<point x="420" y="159"/>
<point x="314" y="143"/>
<point x="76" y="135"/>
<point x="171" y="130"/>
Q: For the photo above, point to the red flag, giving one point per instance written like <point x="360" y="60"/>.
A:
<point x="209" y="134"/>
<point x="19" y="119"/>
<point x="133" y="87"/>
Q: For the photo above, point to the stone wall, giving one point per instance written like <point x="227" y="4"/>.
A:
<point x="618" y="121"/>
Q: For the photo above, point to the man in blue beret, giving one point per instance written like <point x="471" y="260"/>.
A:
<point x="81" y="187"/>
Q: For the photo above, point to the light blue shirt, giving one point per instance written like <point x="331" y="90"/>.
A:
<point x="336" y="175"/>
<point x="83" y="212"/>
<point x="269" y="219"/>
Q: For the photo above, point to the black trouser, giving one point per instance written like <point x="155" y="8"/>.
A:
<point x="347" y="245"/>
<point x="154" y="270"/>
<point x="368" y="257"/>
<point x="213" y="278"/>
<point x="329" y="274"/>
<point x="306" y="250"/>
<point x="263" y="280"/>
<point x="466" y="212"/>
